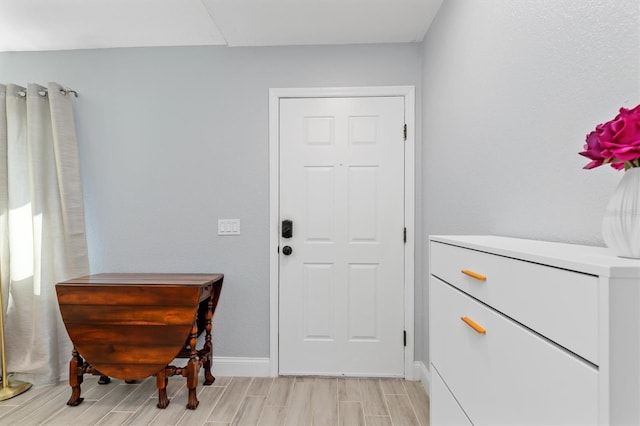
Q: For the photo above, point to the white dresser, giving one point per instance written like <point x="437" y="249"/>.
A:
<point x="532" y="332"/>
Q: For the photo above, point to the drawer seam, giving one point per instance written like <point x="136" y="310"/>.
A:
<point x="516" y="258"/>
<point x="451" y="392"/>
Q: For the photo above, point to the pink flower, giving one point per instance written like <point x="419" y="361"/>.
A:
<point x="616" y="142"/>
<point x="593" y="151"/>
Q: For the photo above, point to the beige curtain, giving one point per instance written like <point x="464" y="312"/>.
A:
<point x="42" y="226"/>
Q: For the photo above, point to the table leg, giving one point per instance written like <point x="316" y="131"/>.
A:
<point x="208" y="345"/>
<point x="161" y="383"/>
<point x="75" y="377"/>
<point x="192" y="369"/>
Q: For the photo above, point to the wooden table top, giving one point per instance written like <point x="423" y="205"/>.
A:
<point x="137" y="278"/>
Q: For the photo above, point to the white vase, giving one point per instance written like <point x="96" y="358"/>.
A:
<point x="621" y="222"/>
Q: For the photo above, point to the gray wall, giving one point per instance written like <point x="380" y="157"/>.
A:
<point x="510" y="90"/>
<point x="172" y="139"/>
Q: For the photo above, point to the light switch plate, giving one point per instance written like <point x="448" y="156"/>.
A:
<point x="228" y="226"/>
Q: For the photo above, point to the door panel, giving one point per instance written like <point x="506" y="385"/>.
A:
<point x="319" y="196"/>
<point x="342" y="287"/>
<point x="363" y="194"/>
<point x="363" y="303"/>
<point x="318" y="299"/>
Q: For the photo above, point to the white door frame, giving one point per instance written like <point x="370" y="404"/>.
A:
<point x="408" y="92"/>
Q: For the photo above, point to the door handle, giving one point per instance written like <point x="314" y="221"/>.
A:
<point x="286" y="250"/>
<point x="287" y="228"/>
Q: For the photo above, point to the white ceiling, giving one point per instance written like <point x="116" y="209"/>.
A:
<point x="87" y="24"/>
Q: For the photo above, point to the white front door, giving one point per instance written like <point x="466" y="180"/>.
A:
<point x="341" y="288"/>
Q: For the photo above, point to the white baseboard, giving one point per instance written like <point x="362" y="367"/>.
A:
<point x="422" y="373"/>
<point x="261" y="367"/>
<point x="241" y="366"/>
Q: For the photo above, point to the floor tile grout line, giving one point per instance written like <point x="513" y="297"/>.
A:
<point x="185" y="411"/>
<point x="415" y="412"/>
<point x="216" y="403"/>
<point x="265" y="402"/>
<point x="52" y="415"/>
<point x="337" y="400"/>
<point x="361" y="393"/>
<point x="386" y="403"/>
<point x="26" y="403"/>
<point x="287" y="412"/>
<point x="202" y="389"/>
<point x="364" y="418"/>
<point x="244" y="397"/>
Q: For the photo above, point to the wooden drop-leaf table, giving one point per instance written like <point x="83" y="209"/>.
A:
<point x="133" y="325"/>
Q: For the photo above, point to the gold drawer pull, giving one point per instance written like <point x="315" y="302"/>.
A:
<point x="475" y="275"/>
<point x="473" y="325"/>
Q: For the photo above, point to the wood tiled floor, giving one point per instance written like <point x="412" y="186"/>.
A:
<point x="294" y="401"/>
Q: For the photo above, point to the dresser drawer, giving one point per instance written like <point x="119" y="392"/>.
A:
<point x="508" y="375"/>
<point x="559" y="304"/>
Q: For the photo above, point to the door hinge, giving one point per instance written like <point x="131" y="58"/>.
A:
<point x="404" y="235"/>
<point x="404" y="337"/>
<point x="405" y="132"/>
